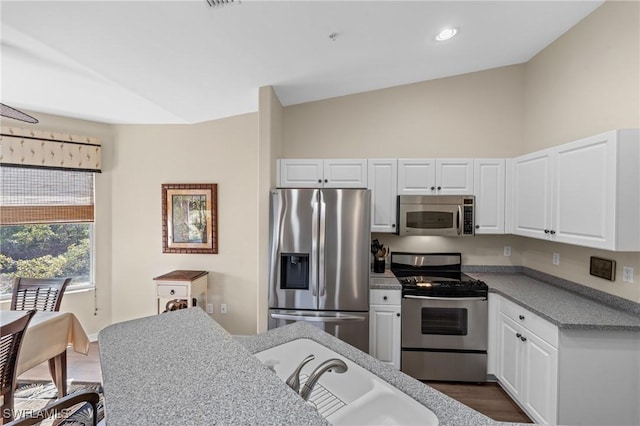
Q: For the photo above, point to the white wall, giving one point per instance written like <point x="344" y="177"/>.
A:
<point x="146" y="156"/>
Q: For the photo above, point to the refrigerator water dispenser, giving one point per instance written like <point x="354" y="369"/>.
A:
<point x="294" y="271"/>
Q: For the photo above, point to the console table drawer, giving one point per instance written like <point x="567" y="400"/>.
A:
<point x="173" y="291"/>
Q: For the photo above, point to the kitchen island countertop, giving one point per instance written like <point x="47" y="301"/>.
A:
<point x="182" y="367"/>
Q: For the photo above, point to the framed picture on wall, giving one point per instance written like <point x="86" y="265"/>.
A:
<point x="190" y="218"/>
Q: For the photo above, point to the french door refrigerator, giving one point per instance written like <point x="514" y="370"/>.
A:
<point x="319" y="261"/>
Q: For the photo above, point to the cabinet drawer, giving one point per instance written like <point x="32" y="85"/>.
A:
<point x="527" y="319"/>
<point x="173" y="291"/>
<point x="385" y="297"/>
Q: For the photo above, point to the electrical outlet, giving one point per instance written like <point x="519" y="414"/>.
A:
<point x="556" y="258"/>
<point x="627" y="274"/>
<point x="507" y="251"/>
<point x="223" y="308"/>
<point x="209" y="308"/>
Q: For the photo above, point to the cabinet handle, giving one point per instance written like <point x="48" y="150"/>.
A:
<point x="439" y="188"/>
<point x="384" y="298"/>
<point x="326" y="180"/>
<point x="393" y="225"/>
<point x="433" y="188"/>
<point x="518" y="335"/>
<point x="477" y="226"/>
<point x="521" y="317"/>
<point x="546" y="231"/>
<point x="552" y="232"/>
<point x="398" y="314"/>
<point x="524" y="339"/>
<point x="319" y="180"/>
<point x="172" y="292"/>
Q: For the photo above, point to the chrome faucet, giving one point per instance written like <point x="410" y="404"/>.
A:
<point x="294" y="379"/>
<point x="334" y="364"/>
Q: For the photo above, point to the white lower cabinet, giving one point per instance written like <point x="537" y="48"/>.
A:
<point x="384" y="326"/>
<point x="565" y="376"/>
<point x="527" y="363"/>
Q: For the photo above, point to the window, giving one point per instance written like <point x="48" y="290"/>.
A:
<point x="46" y="225"/>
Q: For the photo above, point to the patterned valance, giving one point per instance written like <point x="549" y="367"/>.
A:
<point x="37" y="148"/>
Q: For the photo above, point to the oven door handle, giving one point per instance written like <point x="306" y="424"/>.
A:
<point x="459" y="223"/>
<point x="450" y="299"/>
<point x="313" y="318"/>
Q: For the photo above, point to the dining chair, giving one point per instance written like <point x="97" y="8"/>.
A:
<point x="57" y="408"/>
<point x="10" y="341"/>
<point x="42" y="294"/>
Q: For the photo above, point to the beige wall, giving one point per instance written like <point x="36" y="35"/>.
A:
<point x="92" y="307"/>
<point x="145" y="156"/>
<point x="587" y="81"/>
<point x="477" y="114"/>
<point x="269" y="148"/>
<point x="584" y="83"/>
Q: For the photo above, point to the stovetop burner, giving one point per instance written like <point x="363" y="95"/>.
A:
<point x="435" y="275"/>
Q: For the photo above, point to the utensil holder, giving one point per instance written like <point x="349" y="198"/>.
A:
<point x="378" y="264"/>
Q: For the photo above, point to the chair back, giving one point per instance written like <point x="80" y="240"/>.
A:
<point x="88" y="397"/>
<point x="41" y="294"/>
<point x="10" y="341"/>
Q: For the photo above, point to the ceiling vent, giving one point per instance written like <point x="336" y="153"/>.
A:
<point x="218" y="3"/>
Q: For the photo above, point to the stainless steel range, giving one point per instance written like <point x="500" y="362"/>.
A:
<point x="444" y="318"/>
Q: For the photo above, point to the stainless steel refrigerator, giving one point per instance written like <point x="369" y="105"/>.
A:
<point x="319" y="261"/>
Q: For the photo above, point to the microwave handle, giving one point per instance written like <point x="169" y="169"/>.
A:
<point x="459" y="221"/>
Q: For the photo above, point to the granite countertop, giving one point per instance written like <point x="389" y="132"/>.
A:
<point x="183" y="368"/>
<point x="564" y="308"/>
<point x="384" y="281"/>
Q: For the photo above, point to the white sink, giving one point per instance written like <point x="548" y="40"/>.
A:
<point x="355" y="397"/>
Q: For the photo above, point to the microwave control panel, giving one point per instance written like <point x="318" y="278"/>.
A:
<point x="467" y="224"/>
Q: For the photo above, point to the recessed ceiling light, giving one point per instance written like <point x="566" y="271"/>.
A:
<point x="446" y="34"/>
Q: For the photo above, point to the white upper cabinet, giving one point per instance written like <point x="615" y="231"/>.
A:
<point x="442" y="176"/>
<point x="583" y="193"/>
<point x="416" y="177"/>
<point x="382" y="180"/>
<point x="489" y="189"/>
<point x="532" y="194"/>
<point x="313" y="173"/>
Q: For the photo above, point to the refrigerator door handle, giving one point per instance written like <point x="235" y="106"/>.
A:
<point x="321" y="246"/>
<point x="313" y="318"/>
<point x="314" y="248"/>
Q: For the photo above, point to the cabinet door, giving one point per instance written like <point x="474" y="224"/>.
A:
<point x="454" y="176"/>
<point x="384" y="333"/>
<point x="382" y="181"/>
<point x="489" y="189"/>
<point x="532" y="194"/>
<point x="585" y="192"/>
<point x="510" y="356"/>
<point x="344" y="173"/>
<point x="416" y="177"/>
<point x="300" y="173"/>
<point x="540" y="379"/>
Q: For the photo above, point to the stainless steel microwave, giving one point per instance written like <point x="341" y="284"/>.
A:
<point x="441" y="215"/>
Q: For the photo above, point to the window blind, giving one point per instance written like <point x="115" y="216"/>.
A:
<point x="37" y="195"/>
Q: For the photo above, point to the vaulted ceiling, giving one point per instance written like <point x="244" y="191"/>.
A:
<point x="186" y="62"/>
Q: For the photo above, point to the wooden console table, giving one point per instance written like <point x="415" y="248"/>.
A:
<point x="181" y="284"/>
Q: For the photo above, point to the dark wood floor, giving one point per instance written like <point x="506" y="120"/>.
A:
<point x="487" y="398"/>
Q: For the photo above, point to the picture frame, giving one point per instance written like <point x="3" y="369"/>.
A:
<point x="190" y="218"/>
